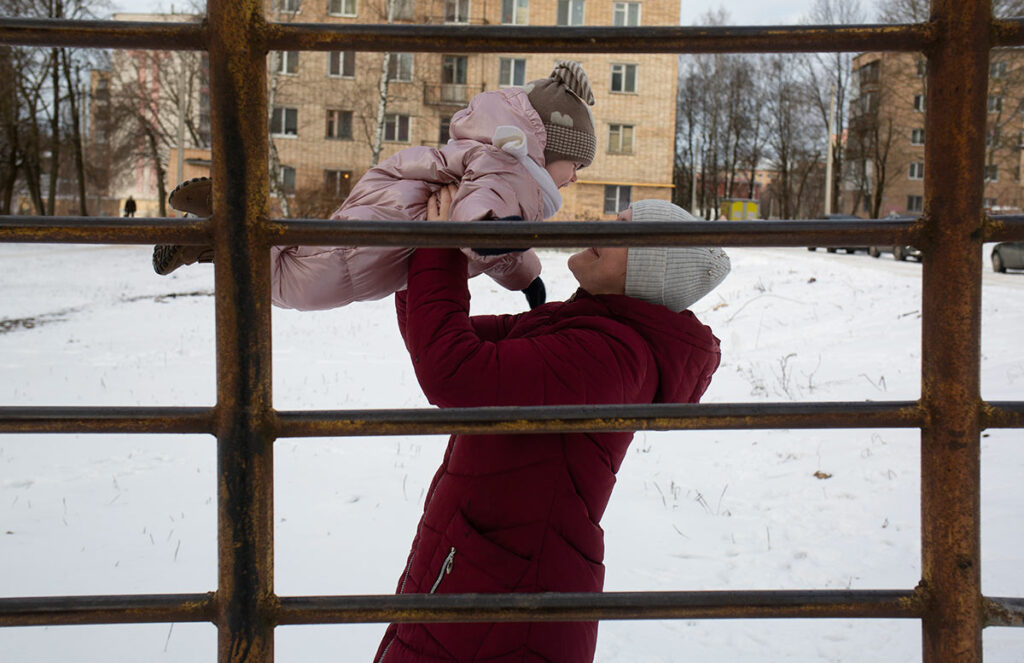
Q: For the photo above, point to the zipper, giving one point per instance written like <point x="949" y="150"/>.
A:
<point x="446" y="568"/>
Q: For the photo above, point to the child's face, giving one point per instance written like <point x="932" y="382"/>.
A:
<point x="563" y="172"/>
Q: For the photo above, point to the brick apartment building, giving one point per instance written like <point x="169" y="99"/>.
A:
<point x="884" y="170"/>
<point x="324" y="104"/>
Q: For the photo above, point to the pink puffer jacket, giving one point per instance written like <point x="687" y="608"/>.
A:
<point x="492" y="184"/>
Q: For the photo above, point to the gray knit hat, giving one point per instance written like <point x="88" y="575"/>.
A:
<point x="675" y="277"/>
<point x="562" y="101"/>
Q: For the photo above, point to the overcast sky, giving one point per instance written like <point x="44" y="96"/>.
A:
<point x="742" y="12"/>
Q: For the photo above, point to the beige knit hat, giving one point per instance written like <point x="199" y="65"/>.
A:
<point x="675" y="277"/>
<point x="562" y="101"/>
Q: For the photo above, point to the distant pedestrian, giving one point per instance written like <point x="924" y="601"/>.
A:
<point x="129" y="207"/>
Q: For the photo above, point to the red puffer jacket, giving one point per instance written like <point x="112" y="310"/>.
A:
<point x="521" y="513"/>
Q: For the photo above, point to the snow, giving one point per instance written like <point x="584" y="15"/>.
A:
<point x="706" y="510"/>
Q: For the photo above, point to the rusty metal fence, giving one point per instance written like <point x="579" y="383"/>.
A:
<point x="950" y="412"/>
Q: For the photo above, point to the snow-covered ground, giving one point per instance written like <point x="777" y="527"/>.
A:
<point x="99" y="514"/>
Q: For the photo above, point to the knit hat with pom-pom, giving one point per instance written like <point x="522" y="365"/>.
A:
<point x="562" y="101"/>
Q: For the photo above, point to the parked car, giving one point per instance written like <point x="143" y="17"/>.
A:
<point x="898" y="252"/>
<point x="848" y="249"/>
<point x="1007" y="255"/>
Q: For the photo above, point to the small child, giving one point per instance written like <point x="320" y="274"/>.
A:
<point x="511" y="151"/>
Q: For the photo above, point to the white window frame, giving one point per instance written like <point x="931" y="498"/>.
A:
<point x="995" y="103"/>
<point x="286" y="63"/>
<point x="404" y="10"/>
<point x="573" y="8"/>
<point x="337" y="124"/>
<point x="279" y="115"/>
<point x="402" y="65"/>
<point x="336" y="61"/>
<point x="919" y="103"/>
<point x="284" y="174"/>
<point x="456" y="11"/>
<point x="519" y="12"/>
<point x="619" y="190"/>
<point x="997" y="69"/>
<point x="290" y="6"/>
<point x="915" y="203"/>
<point x="348" y="8"/>
<point x="992" y="172"/>
<point x="508" y="68"/>
<point x="339" y="176"/>
<point x="917" y="136"/>
<point x="916" y="170"/>
<point x="393" y="124"/>
<point x="622" y="71"/>
<point x="617" y="143"/>
<point x="621" y="14"/>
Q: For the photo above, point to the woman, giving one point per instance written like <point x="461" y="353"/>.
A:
<point x="521" y="513"/>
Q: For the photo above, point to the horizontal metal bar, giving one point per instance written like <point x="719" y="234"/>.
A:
<point x="594" y="418"/>
<point x="560" y="39"/>
<point x="1004" y="228"/>
<point x="106" y="420"/>
<point x="1004" y="611"/>
<point x="606" y="233"/>
<point x="320" y="232"/>
<point x="1002" y="414"/>
<point x="104" y="230"/>
<point x="127" y="609"/>
<point x="103" y="34"/>
<point x="610" y="605"/>
<point x="506" y="420"/>
<point x="1008" y="32"/>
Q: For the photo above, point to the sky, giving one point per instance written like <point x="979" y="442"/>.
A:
<point x="692" y="510"/>
<point x="743" y="12"/>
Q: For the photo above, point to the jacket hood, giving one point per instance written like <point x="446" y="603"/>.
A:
<point x="489" y="110"/>
<point x="685" y="350"/>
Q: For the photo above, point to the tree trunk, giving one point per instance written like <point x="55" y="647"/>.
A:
<point x="51" y="199"/>
<point x="76" y="135"/>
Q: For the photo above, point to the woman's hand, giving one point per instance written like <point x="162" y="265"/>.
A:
<point x="439" y="205"/>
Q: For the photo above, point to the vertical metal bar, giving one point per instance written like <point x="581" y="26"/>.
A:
<point x="245" y="594"/>
<point x="951" y="325"/>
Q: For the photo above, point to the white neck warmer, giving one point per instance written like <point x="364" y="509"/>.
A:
<point x="513" y="140"/>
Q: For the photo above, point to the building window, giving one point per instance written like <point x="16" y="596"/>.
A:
<point x="444" y="133"/>
<point x="511" y="71"/>
<point x="992" y="137"/>
<point x="915" y="203"/>
<point x="456" y="11"/>
<point x="403" y="9"/>
<point x="989" y="203"/>
<point x="917" y="136"/>
<point x="623" y="78"/>
<point x="570" y="12"/>
<point x="396" y="128"/>
<point x="997" y="69"/>
<point x="922" y="68"/>
<point x="341" y="64"/>
<point x="341" y="7"/>
<point x="626" y="14"/>
<point x="868" y="74"/>
<point x="453" y="69"/>
<point x="286" y="179"/>
<point x="286" y="62"/>
<point x="616" y="198"/>
<point x="515" y="12"/>
<point x="339" y="124"/>
<point x="995" y="103"/>
<point x="620" y="138"/>
<point x="337" y="183"/>
<point x="291" y="6"/>
<point x="400" y="67"/>
<point x="991" y="173"/>
<point x="919" y="103"/>
<point x="284" y="121"/>
<point x="917" y="170"/>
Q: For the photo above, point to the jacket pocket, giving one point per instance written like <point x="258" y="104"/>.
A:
<point x="479" y="564"/>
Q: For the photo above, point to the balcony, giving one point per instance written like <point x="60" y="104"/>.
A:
<point x="449" y="94"/>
